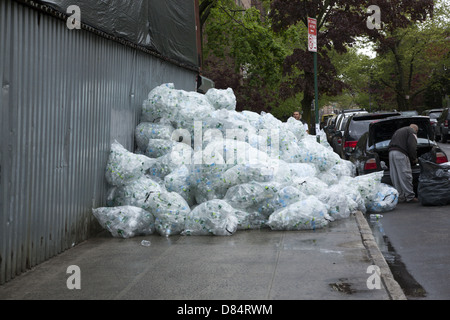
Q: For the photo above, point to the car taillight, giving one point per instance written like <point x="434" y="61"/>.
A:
<point x="446" y="123"/>
<point x="350" y="144"/>
<point x="441" y="157"/>
<point x="370" y="164"/>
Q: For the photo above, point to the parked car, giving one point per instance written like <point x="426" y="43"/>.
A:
<point x="336" y="139"/>
<point x="355" y="127"/>
<point x="434" y="114"/>
<point x="442" y="132"/>
<point x="409" y="113"/>
<point x="330" y="128"/>
<point x="324" y="119"/>
<point x="371" y="153"/>
<point x="341" y="120"/>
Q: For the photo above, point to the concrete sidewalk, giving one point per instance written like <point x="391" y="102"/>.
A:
<point x="326" y="264"/>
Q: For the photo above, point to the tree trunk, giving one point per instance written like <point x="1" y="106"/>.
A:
<point x="306" y="108"/>
<point x="308" y="98"/>
<point x="401" y="92"/>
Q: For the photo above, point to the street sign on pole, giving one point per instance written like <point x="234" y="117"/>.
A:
<point x="312" y="47"/>
<point x="312" y="34"/>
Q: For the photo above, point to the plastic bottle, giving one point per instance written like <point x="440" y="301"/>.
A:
<point x="374" y="217"/>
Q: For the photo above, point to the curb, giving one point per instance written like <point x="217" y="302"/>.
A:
<point x="393" y="288"/>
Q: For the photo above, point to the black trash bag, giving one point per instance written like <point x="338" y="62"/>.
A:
<point x="434" y="183"/>
<point x="427" y="156"/>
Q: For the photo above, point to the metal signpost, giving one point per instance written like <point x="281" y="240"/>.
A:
<point x="312" y="47"/>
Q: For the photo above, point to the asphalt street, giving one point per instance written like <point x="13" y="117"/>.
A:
<point x="415" y="242"/>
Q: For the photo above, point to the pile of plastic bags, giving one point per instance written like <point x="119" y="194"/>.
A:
<point x="203" y="168"/>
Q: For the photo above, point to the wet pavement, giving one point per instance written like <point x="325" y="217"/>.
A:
<point x="333" y="263"/>
<point x="415" y="242"/>
<point x="409" y="285"/>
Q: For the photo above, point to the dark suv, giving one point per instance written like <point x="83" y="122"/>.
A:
<point x="371" y="152"/>
<point x="442" y="132"/>
<point x="338" y="131"/>
<point x="355" y="127"/>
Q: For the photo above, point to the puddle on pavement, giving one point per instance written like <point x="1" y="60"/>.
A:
<point x="342" y="286"/>
<point x="410" y="286"/>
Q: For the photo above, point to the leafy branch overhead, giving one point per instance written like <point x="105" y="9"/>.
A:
<point x="340" y="23"/>
<point x="240" y="46"/>
<point x="261" y="52"/>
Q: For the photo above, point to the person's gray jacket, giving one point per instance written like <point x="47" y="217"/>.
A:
<point x="404" y="140"/>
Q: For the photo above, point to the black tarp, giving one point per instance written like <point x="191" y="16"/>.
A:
<point x="164" y="26"/>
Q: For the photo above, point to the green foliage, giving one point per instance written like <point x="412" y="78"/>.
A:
<point x="356" y="71"/>
<point x="411" y="62"/>
<point x="285" y="108"/>
<point x="244" y="39"/>
<point x="267" y="73"/>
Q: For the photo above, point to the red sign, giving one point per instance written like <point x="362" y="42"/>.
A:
<point x="312" y="26"/>
<point x="312" y="34"/>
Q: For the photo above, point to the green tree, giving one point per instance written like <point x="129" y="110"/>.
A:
<point x="339" y="22"/>
<point x="355" y="70"/>
<point x="411" y="61"/>
<point x="407" y="62"/>
<point x="241" y="51"/>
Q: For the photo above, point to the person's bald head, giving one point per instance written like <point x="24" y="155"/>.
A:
<point x="415" y="127"/>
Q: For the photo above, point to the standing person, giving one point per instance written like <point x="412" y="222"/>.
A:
<point x="403" y="153"/>
<point x="297" y="116"/>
